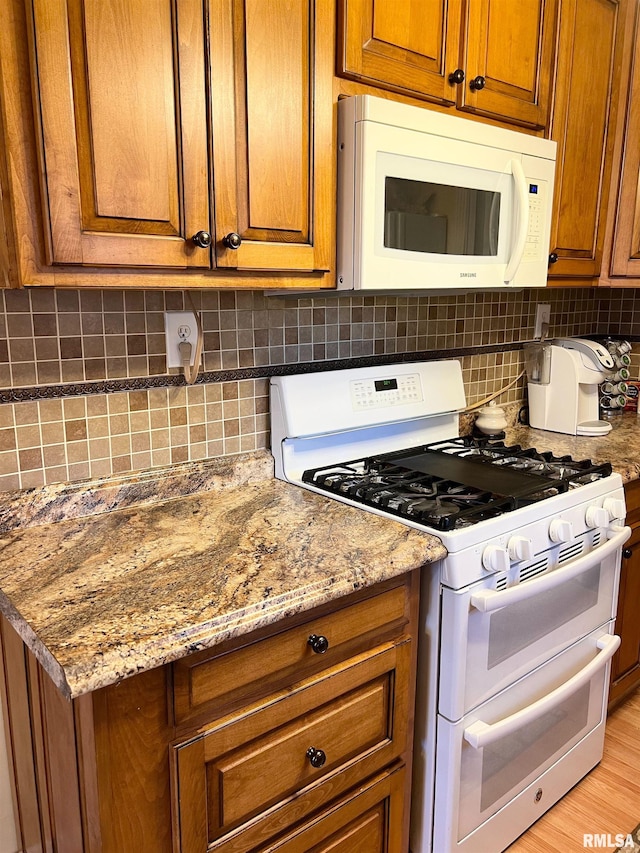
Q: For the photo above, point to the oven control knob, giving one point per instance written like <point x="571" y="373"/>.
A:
<point x="520" y="548"/>
<point x="597" y="516"/>
<point x="615" y="507"/>
<point x="495" y="559"/>
<point x="560" y="530"/>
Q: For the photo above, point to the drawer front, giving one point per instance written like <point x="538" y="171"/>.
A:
<point x="251" y="776"/>
<point x="366" y="821"/>
<point x="217" y="681"/>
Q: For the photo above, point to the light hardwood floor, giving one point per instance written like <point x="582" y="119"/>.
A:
<point x="607" y="800"/>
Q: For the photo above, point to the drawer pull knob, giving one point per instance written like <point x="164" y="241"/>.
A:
<point x="318" y="643"/>
<point x="477" y="83"/>
<point x="626" y="553"/>
<point x="316" y="757"/>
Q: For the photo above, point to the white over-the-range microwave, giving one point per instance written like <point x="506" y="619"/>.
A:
<point x="428" y="201"/>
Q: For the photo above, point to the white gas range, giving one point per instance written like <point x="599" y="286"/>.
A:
<point x="517" y="620"/>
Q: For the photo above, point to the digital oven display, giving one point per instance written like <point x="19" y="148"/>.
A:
<point x="386" y="384"/>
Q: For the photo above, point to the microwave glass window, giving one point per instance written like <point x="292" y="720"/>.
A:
<point x="440" y="219"/>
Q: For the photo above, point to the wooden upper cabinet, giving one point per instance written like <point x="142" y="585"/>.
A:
<point x="266" y="101"/>
<point x="583" y="123"/>
<point x="122" y="101"/>
<point x="490" y="57"/>
<point x="508" y="60"/>
<point x="625" y="258"/>
<point x="167" y="126"/>
<point x="409" y="46"/>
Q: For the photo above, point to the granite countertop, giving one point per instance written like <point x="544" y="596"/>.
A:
<point x="621" y="447"/>
<point x="143" y="581"/>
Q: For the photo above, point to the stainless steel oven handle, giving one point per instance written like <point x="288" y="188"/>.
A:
<point x="487" y="600"/>
<point x="481" y="734"/>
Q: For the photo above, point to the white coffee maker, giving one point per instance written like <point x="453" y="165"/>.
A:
<point x="563" y="377"/>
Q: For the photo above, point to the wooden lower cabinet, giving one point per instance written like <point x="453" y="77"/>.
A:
<point x="625" y="667"/>
<point x="309" y="748"/>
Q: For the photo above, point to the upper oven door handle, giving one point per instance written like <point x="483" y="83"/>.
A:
<point x="481" y="734"/>
<point x="487" y="600"/>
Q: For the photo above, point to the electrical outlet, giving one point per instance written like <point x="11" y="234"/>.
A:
<point x="179" y="326"/>
<point x="543" y="316"/>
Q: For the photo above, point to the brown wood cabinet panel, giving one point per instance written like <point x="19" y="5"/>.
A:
<point x="511" y="46"/>
<point x="31" y="805"/>
<point x="111" y="772"/>
<point x="625" y="258"/>
<point x="265" y="107"/>
<point x="583" y="120"/>
<point x="413" y="48"/>
<point x="363" y="822"/>
<point x="217" y="680"/>
<point x="122" y="101"/>
<point x="410" y="46"/>
<point x="113" y="115"/>
<point x="625" y="668"/>
<point x="356" y="713"/>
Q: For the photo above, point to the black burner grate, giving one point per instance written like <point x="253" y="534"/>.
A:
<point x="455" y="483"/>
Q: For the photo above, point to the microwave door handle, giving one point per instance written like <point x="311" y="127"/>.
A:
<point x="480" y="734"/>
<point x="488" y="600"/>
<point x="520" y="184"/>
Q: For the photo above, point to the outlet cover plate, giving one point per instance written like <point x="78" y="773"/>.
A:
<point x="543" y="316"/>
<point x="179" y="326"/>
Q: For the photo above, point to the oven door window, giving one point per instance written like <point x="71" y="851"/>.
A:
<point x="495" y="648"/>
<point x="439" y="218"/>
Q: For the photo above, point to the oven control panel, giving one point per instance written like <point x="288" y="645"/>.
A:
<point x="385" y="391"/>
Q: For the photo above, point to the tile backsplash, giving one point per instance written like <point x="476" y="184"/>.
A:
<point x="84" y="389"/>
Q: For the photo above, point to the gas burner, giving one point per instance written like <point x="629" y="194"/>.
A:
<point x="455" y="483"/>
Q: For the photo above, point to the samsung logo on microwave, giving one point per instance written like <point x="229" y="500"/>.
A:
<point x="468" y="275"/>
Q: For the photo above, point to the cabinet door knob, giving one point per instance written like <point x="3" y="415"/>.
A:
<point x="316" y="757"/>
<point x="456" y="77"/>
<point x="318" y="643"/>
<point x="626" y="553"/>
<point x="553" y="258"/>
<point x="232" y="240"/>
<point x="477" y="83"/>
<point x="202" y="239"/>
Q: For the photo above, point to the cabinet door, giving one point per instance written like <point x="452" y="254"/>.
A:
<point x="625" y="260"/>
<point x="409" y="46"/>
<point x="508" y="60"/>
<point x="581" y="123"/>
<point x="272" y="131"/>
<point x="625" y="667"/>
<point x="121" y="92"/>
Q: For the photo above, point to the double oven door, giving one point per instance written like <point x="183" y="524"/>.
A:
<point x="523" y="683"/>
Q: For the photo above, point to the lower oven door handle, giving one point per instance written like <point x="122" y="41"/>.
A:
<point x="481" y="734"/>
<point x="487" y="600"/>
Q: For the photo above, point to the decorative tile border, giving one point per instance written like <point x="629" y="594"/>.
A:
<point x="81" y="389"/>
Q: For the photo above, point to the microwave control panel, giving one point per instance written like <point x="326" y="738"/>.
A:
<point x="537" y="205"/>
<point x="387" y="391"/>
